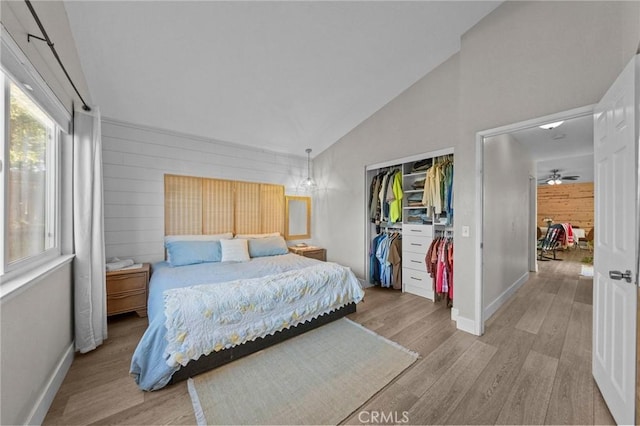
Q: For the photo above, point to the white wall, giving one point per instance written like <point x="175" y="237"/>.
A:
<point x="524" y="60"/>
<point x="507" y="166"/>
<point x="135" y="160"/>
<point x="37" y="336"/>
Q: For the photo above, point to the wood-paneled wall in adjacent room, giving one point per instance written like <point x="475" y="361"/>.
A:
<point x="569" y="202"/>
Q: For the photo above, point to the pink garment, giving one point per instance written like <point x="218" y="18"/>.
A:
<point x="450" y="263"/>
<point x="567" y="238"/>
<point x="441" y="265"/>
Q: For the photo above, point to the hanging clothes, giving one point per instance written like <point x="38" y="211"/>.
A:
<point x="448" y="196"/>
<point x="437" y="194"/>
<point x="432" y="195"/>
<point x="439" y="264"/>
<point x="382" y="195"/>
<point x="385" y="267"/>
<point x="374" y="201"/>
<point x="395" y="210"/>
<point x="385" y="261"/>
<point x="374" y="264"/>
<point x="395" y="259"/>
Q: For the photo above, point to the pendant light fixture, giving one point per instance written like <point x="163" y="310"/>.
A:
<point x="308" y="184"/>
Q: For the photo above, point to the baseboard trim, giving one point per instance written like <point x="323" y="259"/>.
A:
<point x="39" y="411"/>
<point x="496" y="304"/>
<point x="462" y="323"/>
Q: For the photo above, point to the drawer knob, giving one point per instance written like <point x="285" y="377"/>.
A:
<point x="417" y="279"/>
<point x="416" y="244"/>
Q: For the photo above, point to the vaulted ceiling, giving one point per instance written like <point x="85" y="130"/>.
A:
<point x="282" y="76"/>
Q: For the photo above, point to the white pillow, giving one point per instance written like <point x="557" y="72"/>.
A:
<point x="212" y="237"/>
<point x="248" y="236"/>
<point x="235" y="250"/>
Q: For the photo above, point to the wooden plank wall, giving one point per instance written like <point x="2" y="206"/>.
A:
<point x="572" y="203"/>
<point x="135" y="160"/>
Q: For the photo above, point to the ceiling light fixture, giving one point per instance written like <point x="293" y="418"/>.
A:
<point x="554" y="179"/>
<point x="308" y="184"/>
<point x="550" y="126"/>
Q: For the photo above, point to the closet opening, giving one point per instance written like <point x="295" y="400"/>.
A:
<point x="409" y="225"/>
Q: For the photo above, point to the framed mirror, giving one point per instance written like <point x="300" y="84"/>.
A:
<point x="297" y="217"/>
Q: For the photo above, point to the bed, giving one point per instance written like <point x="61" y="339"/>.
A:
<point x="206" y="314"/>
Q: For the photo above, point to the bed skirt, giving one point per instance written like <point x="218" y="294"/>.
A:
<point x="217" y="359"/>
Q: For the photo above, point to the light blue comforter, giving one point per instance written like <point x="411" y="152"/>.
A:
<point x="149" y="365"/>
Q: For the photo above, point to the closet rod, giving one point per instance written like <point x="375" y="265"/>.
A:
<point x="53" y="50"/>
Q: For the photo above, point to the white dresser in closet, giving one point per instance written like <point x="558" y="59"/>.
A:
<point x="416" y="240"/>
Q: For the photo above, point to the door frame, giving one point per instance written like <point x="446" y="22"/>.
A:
<point x="479" y="206"/>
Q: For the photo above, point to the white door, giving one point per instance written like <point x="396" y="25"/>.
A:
<point x="616" y="244"/>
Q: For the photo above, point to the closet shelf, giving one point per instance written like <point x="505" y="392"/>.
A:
<point x="416" y="174"/>
<point x="409" y="191"/>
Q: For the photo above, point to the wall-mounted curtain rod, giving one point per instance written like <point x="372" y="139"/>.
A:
<point x="53" y="49"/>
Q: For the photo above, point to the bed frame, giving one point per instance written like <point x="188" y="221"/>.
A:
<point x="225" y="356"/>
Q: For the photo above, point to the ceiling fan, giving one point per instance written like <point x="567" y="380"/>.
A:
<point x="555" y="178"/>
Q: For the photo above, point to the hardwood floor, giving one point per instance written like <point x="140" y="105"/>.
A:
<point x="532" y="365"/>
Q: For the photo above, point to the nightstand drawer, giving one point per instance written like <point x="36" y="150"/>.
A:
<point x="127" y="290"/>
<point x="129" y="282"/>
<point x="126" y="302"/>
<point x="311" y="252"/>
<point x="316" y="254"/>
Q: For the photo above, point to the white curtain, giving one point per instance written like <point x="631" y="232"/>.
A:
<point x="90" y="302"/>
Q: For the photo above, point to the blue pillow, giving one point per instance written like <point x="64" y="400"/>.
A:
<point x="182" y="253"/>
<point x="269" y="246"/>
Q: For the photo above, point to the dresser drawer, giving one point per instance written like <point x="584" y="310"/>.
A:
<point x="414" y="261"/>
<point x="128" y="282"/>
<point x="417" y="282"/>
<point x="418" y="278"/>
<point x="126" y="302"/>
<point x="417" y="230"/>
<point x="416" y="244"/>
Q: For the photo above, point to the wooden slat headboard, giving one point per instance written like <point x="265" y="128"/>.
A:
<point x="217" y="206"/>
<point x="196" y="205"/>
<point x="182" y="205"/>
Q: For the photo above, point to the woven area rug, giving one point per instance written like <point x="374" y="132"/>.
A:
<point x="320" y="377"/>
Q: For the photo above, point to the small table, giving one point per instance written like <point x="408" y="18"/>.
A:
<point x="127" y="290"/>
<point x="310" y="251"/>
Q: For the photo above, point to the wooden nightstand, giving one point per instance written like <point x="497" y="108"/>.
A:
<point x="127" y="291"/>
<point x="310" y="251"/>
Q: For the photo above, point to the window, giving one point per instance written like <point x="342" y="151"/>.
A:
<point x="30" y="181"/>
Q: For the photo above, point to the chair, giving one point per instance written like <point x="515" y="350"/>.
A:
<point x="550" y="243"/>
<point x="538" y="233"/>
<point x="587" y="241"/>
